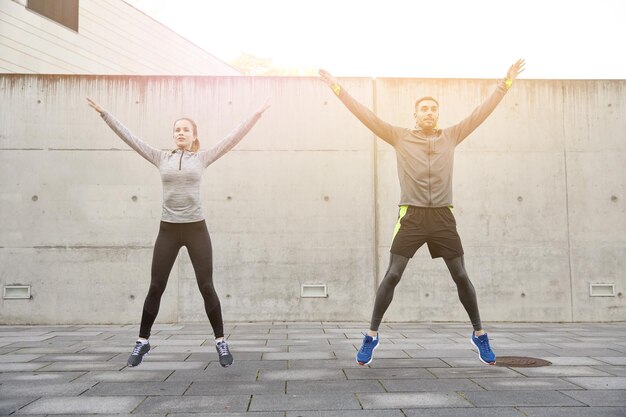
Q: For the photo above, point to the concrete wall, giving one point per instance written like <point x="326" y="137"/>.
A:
<point x="113" y="38"/>
<point x="309" y="196"/>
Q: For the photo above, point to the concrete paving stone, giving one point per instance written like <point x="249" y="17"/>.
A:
<point x="108" y="415"/>
<point x="596" y="383"/>
<point x="349" y="362"/>
<point x="561" y="371"/>
<point x="450" y="353"/>
<point x="179" y="342"/>
<point x="81" y="366"/>
<point x="520" y="399"/>
<point x="57" y="377"/>
<point x="596" y="344"/>
<point x="445" y="346"/>
<point x="313" y="402"/>
<point x="297" y="356"/>
<point x="484" y="371"/>
<point x="599" y="398"/>
<point x="585" y="352"/>
<point x="22" y="367"/>
<point x="238" y="355"/>
<point x="472" y="362"/>
<point x="149" y="365"/>
<point x="108" y="389"/>
<point x="194" y="404"/>
<point x="296" y="342"/>
<point x="19" y="333"/>
<point x="112" y="349"/>
<point x="379" y="354"/>
<point x="408" y="363"/>
<point x="330" y="387"/>
<point x="464" y="412"/>
<point x="613" y="370"/>
<point x="43" y="389"/>
<point x="612" y="360"/>
<point x="313" y="348"/>
<point x="78" y="357"/>
<point x="249" y="365"/>
<point x="573" y="412"/>
<point x="571" y="361"/>
<point x="262" y="414"/>
<point x="253" y="336"/>
<point x="532" y="353"/>
<point x="17" y="358"/>
<point x="82" y="405"/>
<point x="346" y="413"/>
<point x="430" y="385"/>
<point x="226" y="374"/>
<point x="176" y="349"/>
<point x="387" y="373"/>
<point x="236" y="388"/>
<point x="301" y="374"/>
<point x="402" y="400"/>
<point x="22" y="340"/>
<point x="126" y="375"/>
<point x="261" y="349"/>
<point x="156" y="356"/>
<point x="188" y="336"/>
<point x="76" y="334"/>
<point x="525" y="384"/>
<point x="11" y="405"/>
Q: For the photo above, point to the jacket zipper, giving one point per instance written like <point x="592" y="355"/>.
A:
<point x="430" y="197"/>
<point x="180" y="162"/>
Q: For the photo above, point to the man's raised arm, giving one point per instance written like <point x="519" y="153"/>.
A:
<point x="382" y="129"/>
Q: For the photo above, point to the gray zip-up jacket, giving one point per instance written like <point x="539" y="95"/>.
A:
<point x="181" y="171"/>
<point x="424" y="162"/>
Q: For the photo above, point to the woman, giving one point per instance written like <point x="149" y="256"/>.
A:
<point x="182" y="221"/>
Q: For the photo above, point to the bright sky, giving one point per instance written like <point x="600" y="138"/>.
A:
<point x="568" y="39"/>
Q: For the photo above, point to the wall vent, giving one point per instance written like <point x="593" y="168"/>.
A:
<point x="313" y="291"/>
<point x="16" y="292"/>
<point x="602" y="290"/>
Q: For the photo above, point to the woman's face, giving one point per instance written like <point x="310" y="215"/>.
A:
<point x="183" y="134"/>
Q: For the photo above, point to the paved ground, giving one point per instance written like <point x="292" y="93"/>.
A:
<point x="308" y="370"/>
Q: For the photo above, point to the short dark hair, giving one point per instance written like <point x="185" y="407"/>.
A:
<point x="419" y="100"/>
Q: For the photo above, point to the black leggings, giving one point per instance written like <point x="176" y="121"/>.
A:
<point x="172" y="236"/>
<point x="398" y="263"/>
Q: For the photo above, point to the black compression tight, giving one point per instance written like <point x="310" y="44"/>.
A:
<point x="397" y="265"/>
<point x="172" y="236"/>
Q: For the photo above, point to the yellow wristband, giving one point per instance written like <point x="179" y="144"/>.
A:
<point x="508" y="82"/>
<point x="336" y="88"/>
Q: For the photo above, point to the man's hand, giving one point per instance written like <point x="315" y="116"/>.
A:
<point x="515" y="70"/>
<point x="95" y="105"/>
<point x="328" y="78"/>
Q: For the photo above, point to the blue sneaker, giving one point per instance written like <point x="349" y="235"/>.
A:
<point x="485" y="354"/>
<point x="365" y="354"/>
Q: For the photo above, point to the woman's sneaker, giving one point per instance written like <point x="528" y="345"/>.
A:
<point x="139" y="351"/>
<point x="365" y="355"/>
<point x="226" y="359"/>
<point x="485" y="354"/>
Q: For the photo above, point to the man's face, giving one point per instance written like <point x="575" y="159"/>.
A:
<point x="427" y="115"/>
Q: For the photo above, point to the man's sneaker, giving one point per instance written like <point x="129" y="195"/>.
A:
<point x="139" y="351"/>
<point x="364" y="355"/>
<point x="485" y="354"/>
<point x="226" y="359"/>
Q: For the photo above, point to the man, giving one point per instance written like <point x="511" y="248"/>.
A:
<point x="425" y="159"/>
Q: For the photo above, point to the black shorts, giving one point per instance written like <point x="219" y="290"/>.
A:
<point x="434" y="226"/>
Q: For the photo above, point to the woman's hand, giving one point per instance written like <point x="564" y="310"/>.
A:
<point x="95" y="105"/>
